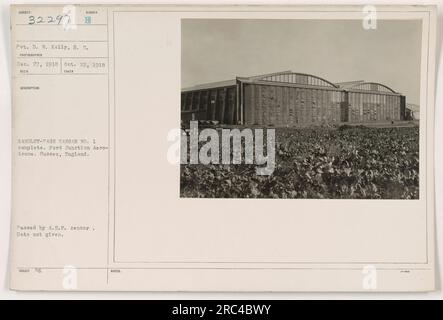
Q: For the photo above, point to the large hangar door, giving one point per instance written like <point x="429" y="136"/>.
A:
<point x="344" y="112"/>
<point x="344" y="108"/>
<point x="402" y="107"/>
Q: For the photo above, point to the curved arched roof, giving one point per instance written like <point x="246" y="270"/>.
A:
<point x="296" y="78"/>
<point x="372" y="86"/>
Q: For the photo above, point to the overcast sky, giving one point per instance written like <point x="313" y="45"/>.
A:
<point x="215" y="50"/>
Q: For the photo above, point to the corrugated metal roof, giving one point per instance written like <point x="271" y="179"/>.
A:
<point x="211" y="85"/>
<point x="268" y="75"/>
<point x="227" y="83"/>
<point x="361" y="85"/>
<point x="348" y="84"/>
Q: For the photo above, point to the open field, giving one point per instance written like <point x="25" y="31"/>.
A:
<point x="348" y="162"/>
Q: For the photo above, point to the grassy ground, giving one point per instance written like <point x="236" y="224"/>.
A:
<point x="347" y="162"/>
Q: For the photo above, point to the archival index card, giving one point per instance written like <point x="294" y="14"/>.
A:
<point x="223" y="148"/>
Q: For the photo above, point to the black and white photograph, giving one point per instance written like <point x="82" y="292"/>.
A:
<point x="225" y="150"/>
<point x="310" y="109"/>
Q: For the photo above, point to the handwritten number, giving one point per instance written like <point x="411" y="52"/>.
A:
<point x="50" y="19"/>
